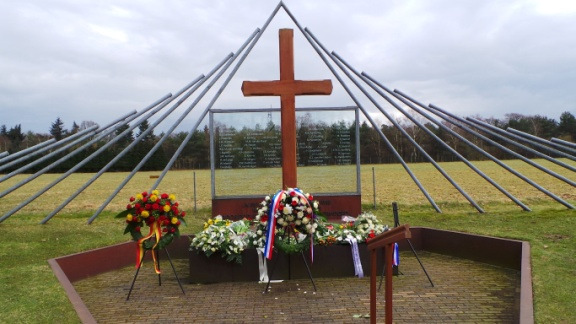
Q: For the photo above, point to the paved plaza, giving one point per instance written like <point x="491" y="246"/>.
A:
<point x="464" y="292"/>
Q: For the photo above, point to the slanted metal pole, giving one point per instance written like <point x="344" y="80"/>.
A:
<point x="85" y="134"/>
<point x="125" y="150"/>
<point x="83" y="147"/>
<point x="493" y="130"/>
<point x="505" y="149"/>
<point x="531" y="139"/>
<point x="315" y="44"/>
<point x="216" y="96"/>
<point x="46" y="148"/>
<point x="400" y="128"/>
<point x="436" y="111"/>
<point x="25" y="152"/>
<point x="4" y="154"/>
<point x="563" y="143"/>
<point x="77" y="166"/>
<point x="167" y="134"/>
<point x="460" y="137"/>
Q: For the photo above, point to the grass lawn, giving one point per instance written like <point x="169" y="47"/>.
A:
<point x="30" y="292"/>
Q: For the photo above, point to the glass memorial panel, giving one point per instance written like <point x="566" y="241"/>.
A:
<point x="247" y="151"/>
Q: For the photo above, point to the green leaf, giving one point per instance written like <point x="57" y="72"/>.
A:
<point x="122" y="214"/>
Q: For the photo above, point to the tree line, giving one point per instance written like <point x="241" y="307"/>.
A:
<point x="373" y="149"/>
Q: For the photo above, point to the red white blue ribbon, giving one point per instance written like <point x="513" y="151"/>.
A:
<point x="271" y="226"/>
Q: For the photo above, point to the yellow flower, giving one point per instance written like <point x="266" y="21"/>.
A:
<point x="153" y="198"/>
<point x="129" y="217"/>
<point x="166" y="208"/>
<point x="155" y="192"/>
<point x="210" y="222"/>
<point x="145" y="214"/>
<point x="174" y="220"/>
<point x="139" y="196"/>
<point x="172" y="197"/>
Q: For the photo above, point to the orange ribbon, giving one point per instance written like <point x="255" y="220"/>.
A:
<point x="154" y="231"/>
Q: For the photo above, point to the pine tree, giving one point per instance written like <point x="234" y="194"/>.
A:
<point x="57" y="129"/>
<point x="567" y="125"/>
<point x="15" y="136"/>
<point x="75" y="128"/>
<point x="144" y="127"/>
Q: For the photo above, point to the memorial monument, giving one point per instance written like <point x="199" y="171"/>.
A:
<point x="287" y="88"/>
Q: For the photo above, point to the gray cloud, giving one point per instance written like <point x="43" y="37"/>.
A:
<point x="86" y="60"/>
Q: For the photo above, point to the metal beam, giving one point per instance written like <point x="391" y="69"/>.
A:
<point x="227" y="62"/>
<point x="493" y="130"/>
<point x="314" y="43"/>
<point x="529" y="138"/>
<point x="467" y="142"/>
<point x="341" y="61"/>
<point x="563" y="143"/>
<point x="161" y="102"/>
<point x="438" y="111"/>
<point x="136" y="141"/>
<point x="209" y="106"/>
<point x="24" y="152"/>
<point x="82" y="136"/>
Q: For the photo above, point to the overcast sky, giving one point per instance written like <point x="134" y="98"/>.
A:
<point x="96" y="60"/>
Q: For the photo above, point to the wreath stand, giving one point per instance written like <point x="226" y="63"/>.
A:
<point x="395" y="269"/>
<point x="159" y="275"/>
<point x="274" y="266"/>
<point x="276" y="261"/>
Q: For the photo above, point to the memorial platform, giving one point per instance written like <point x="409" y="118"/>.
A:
<point x="470" y="286"/>
<point x="465" y="291"/>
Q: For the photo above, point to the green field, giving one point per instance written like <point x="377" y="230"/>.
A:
<point x="31" y="293"/>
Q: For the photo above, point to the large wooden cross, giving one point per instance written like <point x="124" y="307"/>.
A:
<point x="287" y="88"/>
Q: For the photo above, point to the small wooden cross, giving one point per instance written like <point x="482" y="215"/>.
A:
<point x="287" y="88"/>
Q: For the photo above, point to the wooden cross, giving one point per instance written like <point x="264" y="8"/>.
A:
<point x="287" y="88"/>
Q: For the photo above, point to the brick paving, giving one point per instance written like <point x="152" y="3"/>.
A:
<point x="464" y="292"/>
